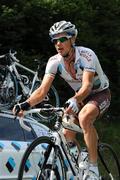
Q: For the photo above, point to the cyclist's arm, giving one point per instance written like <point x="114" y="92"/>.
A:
<point x="38" y="95"/>
<point x="87" y="83"/>
<point x="89" y="63"/>
<point x="84" y="91"/>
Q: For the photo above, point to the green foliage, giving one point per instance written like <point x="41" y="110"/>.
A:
<point x="108" y="130"/>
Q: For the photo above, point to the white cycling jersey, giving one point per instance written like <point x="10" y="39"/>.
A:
<point x="85" y="60"/>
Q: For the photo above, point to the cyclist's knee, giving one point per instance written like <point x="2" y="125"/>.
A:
<point x="86" y="122"/>
<point x="87" y="116"/>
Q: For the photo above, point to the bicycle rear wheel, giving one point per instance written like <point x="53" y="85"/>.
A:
<point x="52" y="96"/>
<point x="108" y="163"/>
<point x="42" y="161"/>
<point x="8" y="88"/>
<point x="52" y="99"/>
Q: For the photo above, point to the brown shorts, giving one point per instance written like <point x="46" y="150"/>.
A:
<point x="100" y="99"/>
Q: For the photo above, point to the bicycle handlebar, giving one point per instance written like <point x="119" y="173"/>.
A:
<point x="23" y="125"/>
<point x="11" y="54"/>
<point x="37" y="110"/>
<point x="2" y="56"/>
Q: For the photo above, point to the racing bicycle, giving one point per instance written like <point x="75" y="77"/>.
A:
<point x="16" y="87"/>
<point x="50" y="157"/>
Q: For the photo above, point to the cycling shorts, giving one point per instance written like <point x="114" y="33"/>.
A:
<point x="100" y="99"/>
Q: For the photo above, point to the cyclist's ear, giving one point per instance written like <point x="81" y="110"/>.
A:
<point x="73" y="39"/>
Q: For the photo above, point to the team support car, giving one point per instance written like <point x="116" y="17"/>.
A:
<point x="13" y="142"/>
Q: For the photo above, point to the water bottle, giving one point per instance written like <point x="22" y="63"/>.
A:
<point x="74" y="150"/>
<point x="84" y="154"/>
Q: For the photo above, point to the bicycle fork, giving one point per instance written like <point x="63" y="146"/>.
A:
<point x="46" y="157"/>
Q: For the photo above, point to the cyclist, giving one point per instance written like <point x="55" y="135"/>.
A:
<point x="80" y="68"/>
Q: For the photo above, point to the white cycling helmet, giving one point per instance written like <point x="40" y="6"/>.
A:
<point x="61" y="27"/>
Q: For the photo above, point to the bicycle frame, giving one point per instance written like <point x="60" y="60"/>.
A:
<point x="27" y="92"/>
<point x="19" y="82"/>
<point x="60" y="141"/>
<point x="59" y="147"/>
<point x="13" y="68"/>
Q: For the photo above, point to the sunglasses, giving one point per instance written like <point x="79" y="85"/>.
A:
<point x="61" y="39"/>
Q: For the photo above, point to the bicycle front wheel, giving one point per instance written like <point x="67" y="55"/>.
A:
<point x="42" y="161"/>
<point x="8" y="88"/>
<point x="108" y="163"/>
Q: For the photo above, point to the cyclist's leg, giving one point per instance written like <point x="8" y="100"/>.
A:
<point x="71" y="135"/>
<point x="86" y="118"/>
<point x="94" y="105"/>
<point x="73" y="143"/>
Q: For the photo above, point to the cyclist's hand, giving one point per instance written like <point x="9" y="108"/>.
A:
<point x="72" y="105"/>
<point x="19" y="108"/>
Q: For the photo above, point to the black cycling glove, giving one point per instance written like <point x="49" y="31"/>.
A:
<point x="22" y="106"/>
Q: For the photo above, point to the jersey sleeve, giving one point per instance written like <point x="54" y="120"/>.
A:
<point x="89" y="60"/>
<point x="51" y="67"/>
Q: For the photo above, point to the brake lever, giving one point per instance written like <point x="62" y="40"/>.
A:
<point x="22" y="124"/>
<point x="16" y="113"/>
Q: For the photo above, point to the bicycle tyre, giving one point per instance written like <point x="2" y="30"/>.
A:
<point x="8" y="88"/>
<point x="42" y="159"/>
<point x="52" y="99"/>
<point x="108" y="162"/>
<point x="52" y="95"/>
<point x="57" y="99"/>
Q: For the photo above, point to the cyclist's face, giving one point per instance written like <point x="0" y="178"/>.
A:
<point x="62" y="44"/>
